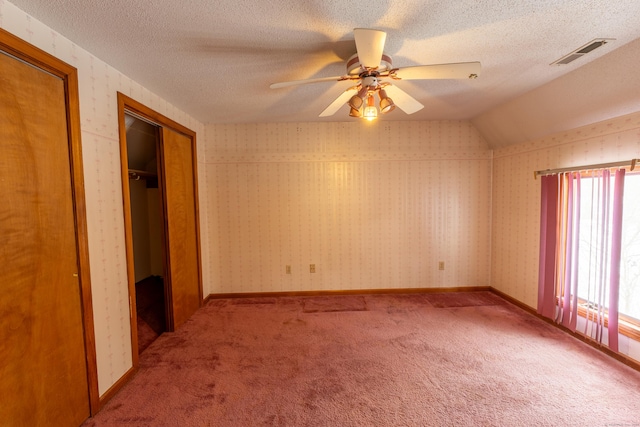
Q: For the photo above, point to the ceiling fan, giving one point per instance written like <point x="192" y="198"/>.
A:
<point x="369" y="66"/>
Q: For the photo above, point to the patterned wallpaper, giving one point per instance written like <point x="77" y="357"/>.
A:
<point x="516" y="194"/>
<point x="371" y="205"/>
<point x="98" y="84"/>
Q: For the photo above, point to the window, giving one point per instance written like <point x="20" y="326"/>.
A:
<point x="594" y="249"/>
<point x="590" y="253"/>
<point x="629" y="302"/>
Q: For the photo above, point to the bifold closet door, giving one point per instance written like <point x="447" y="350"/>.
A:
<point x="43" y="365"/>
<point x="178" y="163"/>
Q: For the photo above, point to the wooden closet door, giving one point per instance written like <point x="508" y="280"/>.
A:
<point x="43" y="371"/>
<point x="178" y="162"/>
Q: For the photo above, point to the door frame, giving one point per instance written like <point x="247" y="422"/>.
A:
<point x="42" y="60"/>
<point x="129" y="105"/>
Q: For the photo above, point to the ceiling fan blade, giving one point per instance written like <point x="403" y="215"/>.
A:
<point x="339" y="102"/>
<point x="302" y="82"/>
<point x="369" y="44"/>
<point x="403" y="100"/>
<point x="462" y="70"/>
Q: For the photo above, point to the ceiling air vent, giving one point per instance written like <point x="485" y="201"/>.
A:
<point x="581" y="51"/>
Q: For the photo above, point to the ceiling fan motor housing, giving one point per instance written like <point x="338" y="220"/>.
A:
<point x="354" y="67"/>
<point x="370" y="81"/>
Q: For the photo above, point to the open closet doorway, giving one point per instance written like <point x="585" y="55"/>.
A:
<point x="147" y="229"/>
<point x="162" y="231"/>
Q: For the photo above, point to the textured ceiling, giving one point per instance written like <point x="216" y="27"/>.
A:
<point x="216" y="59"/>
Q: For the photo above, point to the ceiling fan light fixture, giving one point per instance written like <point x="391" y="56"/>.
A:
<point x="386" y="103"/>
<point x="357" y="101"/>
<point x="370" y="111"/>
<point x="355" y="112"/>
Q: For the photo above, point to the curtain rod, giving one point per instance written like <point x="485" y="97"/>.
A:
<point x="631" y="162"/>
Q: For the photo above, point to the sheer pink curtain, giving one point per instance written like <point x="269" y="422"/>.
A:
<point x="616" y="248"/>
<point x="548" y="225"/>
<point x="561" y="232"/>
<point x="570" y="239"/>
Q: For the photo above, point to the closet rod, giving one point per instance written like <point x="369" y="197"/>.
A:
<point x="631" y="163"/>
<point x="139" y="174"/>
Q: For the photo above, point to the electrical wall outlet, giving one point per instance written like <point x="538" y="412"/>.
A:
<point x="441" y="265"/>
<point x="312" y="268"/>
<point x="288" y="269"/>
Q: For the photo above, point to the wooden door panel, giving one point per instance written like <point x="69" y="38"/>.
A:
<point x="182" y="230"/>
<point x="42" y="355"/>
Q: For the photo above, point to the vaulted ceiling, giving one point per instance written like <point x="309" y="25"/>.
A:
<point x="216" y="59"/>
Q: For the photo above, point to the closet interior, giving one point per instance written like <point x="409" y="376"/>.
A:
<point x="147" y="229"/>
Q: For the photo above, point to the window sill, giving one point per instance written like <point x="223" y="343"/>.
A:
<point x="627" y="326"/>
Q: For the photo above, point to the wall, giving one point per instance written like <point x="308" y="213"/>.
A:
<point x="147" y="230"/>
<point x="371" y="205"/>
<point x="98" y="85"/>
<point x="140" y="235"/>
<point x="516" y="194"/>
